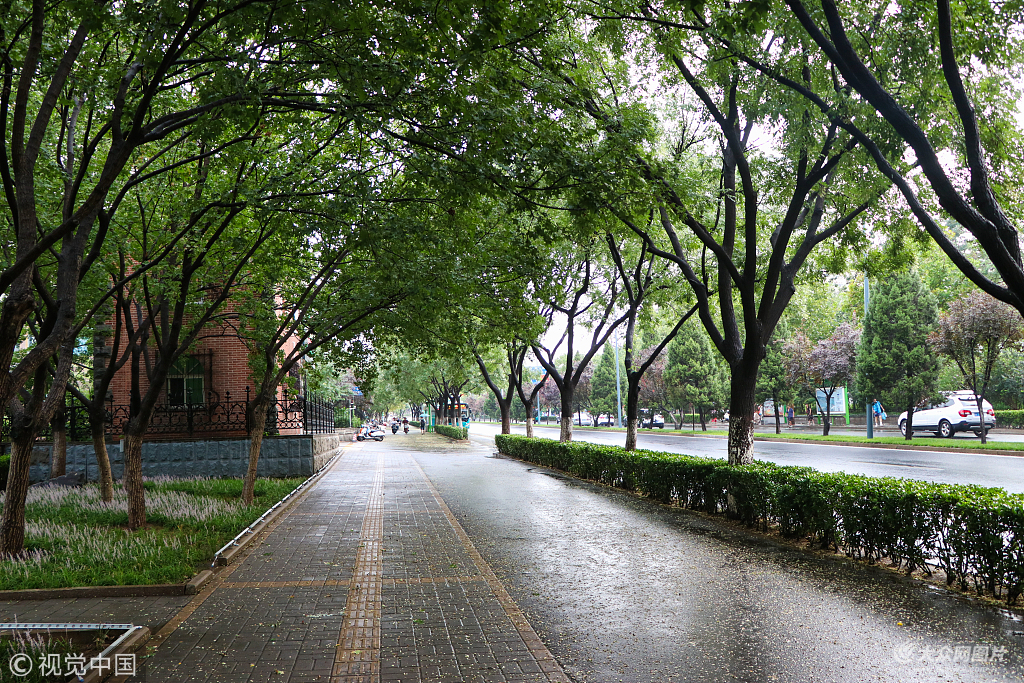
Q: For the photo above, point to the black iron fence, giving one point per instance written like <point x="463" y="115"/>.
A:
<point x="304" y="414"/>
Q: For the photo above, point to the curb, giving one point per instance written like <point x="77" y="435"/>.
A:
<point x="94" y="592"/>
<point x="133" y="643"/>
<point x="190" y="587"/>
<point x="198" y="581"/>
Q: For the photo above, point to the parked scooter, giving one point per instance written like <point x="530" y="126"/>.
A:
<point x="376" y="433"/>
<point x="363" y="433"/>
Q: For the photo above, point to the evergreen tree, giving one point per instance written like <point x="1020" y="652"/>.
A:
<point x="603" y="399"/>
<point x="896" y="363"/>
<point x="693" y="373"/>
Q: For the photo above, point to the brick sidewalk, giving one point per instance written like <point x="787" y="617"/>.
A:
<point x="367" y="578"/>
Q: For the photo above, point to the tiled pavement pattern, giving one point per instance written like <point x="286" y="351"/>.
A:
<point x="358" y="653"/>
<point x="367" y="578"/>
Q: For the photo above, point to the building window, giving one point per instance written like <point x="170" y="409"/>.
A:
<point x="185" y="382"/>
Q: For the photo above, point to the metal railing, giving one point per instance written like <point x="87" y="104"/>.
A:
<point x="304" y="414"/>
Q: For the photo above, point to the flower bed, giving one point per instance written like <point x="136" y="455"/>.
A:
<point x="974" y="534"/>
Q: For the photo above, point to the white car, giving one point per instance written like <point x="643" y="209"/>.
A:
<point x="959" y="413"/>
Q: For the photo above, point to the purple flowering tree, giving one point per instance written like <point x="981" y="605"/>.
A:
<point x="973" y="333"/>
<point x="827" y="365"/>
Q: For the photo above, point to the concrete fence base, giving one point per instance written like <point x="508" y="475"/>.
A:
<point x="280" y="456"/>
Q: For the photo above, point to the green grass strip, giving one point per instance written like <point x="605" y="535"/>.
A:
<point x="75" y="539"/>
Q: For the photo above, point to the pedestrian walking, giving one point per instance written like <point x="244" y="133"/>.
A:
<point x="879" y="412"/>
<point x="790" y="415"/>
<point x="810" y="415"/>
<point x="423" y="425"/>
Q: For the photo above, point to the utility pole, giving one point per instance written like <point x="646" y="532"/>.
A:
<point x="618" y="380"/>
<point x="870" y="417"/>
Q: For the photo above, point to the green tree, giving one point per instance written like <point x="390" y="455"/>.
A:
<point x="1007" y="389"/>
<point x="896" y="363"/>
<point x="773" y="379"/>
<point x="943" y="77"/>
<point x="693" y="373"/>
<point x="603" y="386"/>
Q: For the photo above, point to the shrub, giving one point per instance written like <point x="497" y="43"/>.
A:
<point x="1010" y="418"/>
<point x="452" y="432"/>
<point x="975" y="534"/>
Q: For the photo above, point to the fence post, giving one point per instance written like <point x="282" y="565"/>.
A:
<point x="247" y="409"/>
<point x="74" y="421"/>
<point x="305" y="416"/>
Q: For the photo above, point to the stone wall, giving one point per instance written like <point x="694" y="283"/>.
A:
<point x="325" y="446"/>
<point x="281" y="456"/>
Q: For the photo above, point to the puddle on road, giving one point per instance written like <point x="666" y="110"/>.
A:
<point x="890" y="464"/>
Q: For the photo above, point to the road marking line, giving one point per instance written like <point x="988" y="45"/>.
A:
<point x="547" y="662"/>
<point x="357" y="658"/>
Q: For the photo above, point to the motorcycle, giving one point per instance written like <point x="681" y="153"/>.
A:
<point x="406" y="428"/>
<point x="363" y="433"/>
<point x="394" y="427"/>
<point x="376" y="433"/>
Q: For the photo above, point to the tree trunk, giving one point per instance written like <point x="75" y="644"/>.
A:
<point x="506" y="416"/>
<point x="59" y="452"/>
<point x="981" y="418"/>
<point x="703" y="419"/>
<point x="12" y="519"/>
<point x="529" y="419"/>
<point x="132" y="479"/>
<point x="910" y="422"/>
<point x="97" y="418"/>
<point x="632" y="409"/>
<point x="257" y="421"/>
<point x="567" y="395"/>
<point x="828" y="415"/>
<point x="741" y="415"/>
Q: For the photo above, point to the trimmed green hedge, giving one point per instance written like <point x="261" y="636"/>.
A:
<point x="975" y="534"/>
<point x="1010" y="418"/>
<point x="452" y="432"/>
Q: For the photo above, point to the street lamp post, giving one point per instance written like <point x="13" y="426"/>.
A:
<point x="618" y="380"/>
<point x="868" y="415"/>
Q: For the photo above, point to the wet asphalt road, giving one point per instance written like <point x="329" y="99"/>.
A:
<point x="622" y="589"/>
<point x="952" y="468"/>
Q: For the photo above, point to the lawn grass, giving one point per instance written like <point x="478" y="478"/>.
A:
<point x="72" y="538"/>
<point x="930" y="441"/>
<point x="37" y="646"/>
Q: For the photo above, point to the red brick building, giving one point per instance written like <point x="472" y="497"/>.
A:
<point x="207" y="391"/>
